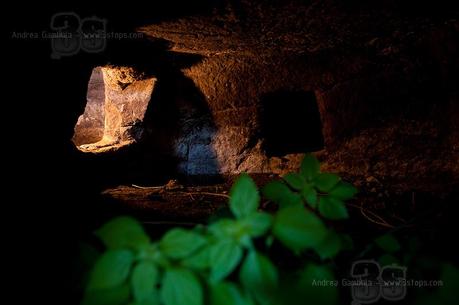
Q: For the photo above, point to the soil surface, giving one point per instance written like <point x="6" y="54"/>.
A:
<point x="373" y="208"/>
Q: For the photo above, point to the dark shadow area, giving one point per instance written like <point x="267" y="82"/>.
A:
<point x="177" y="127"/>
<point x="290" y="123"/>
<point x="177" y="121"/>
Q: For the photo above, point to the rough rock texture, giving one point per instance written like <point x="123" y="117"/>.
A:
<point x="385" y="83"/>
<point x="118" y="98"/>
<point x="91" y="124"/>
<point x="126" y="103"/>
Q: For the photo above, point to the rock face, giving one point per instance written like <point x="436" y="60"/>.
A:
<point x="126" y="102"/>
<point x="117" y="100"/>
<point x="91" y="124"/>
<point x="377" y="88"/>
<point x="368" y="71"/>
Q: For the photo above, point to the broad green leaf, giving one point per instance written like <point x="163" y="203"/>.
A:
<point x="310" y="195"/>
<point x="330" y="246"/>
<point x="298" y="229"/>
<point x="144" y="279"/>
<point x="388" y="259"/>
<point x="269" y="241"/>
<point x="332" y="208"/>
<point x="86" y="260"/>
<point x="223" y="212"/>
<point x="310" y="167"/>
<point x="326" y="181"/>
<point x="181" y="287"/>
<point x="343" y="191"/>
<point x="246" y="242"/>
<point x="278" y="192"/>
<point x="258" y="223"/>
<point x="296" y="181"/>
<point x="111" y="270"/>
<point x="110" y="296"/>
<point x="123" y="232"/>
<point x="179" y="243"/>
<point x="198" y="261"/>
<point x="346" y="242"/>
<point x="227" y="293"/>
<point x="446" y="293"/>
<point x="153" y="254"/>
<point x="224" y="258"/>
<point x="388" y="243"/>
<point x="450" y="288"/>
<point x="244" y="197"/>
<point x="259" y="276"/>
<point x="275" y="190"/>
<point x="290" y="199"/>
<point x="224" y="228"/>
<point x="309" y="285"/>
<point x="88" y="254"/>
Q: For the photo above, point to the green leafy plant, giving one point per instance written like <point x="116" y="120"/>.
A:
<point x="228" y="261"/>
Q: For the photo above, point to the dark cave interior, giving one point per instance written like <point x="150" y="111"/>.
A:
<point x="217" y="88"/>
<point x="290" y="123"/>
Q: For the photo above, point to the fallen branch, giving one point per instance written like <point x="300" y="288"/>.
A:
<point x="204" y="193"/>
<point x="365" y="212"/>
<point x="147" y="187"/>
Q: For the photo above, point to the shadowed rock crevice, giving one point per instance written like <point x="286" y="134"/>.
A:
<point x="290" y="123"/>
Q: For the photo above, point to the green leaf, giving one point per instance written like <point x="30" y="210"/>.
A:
<point x="332" y="208"/>
<point x="278" y="192"/>
<point x="153" y="254"/>
<point x="446" y="293"/>
<point x="88" y="256"/>
<point x="259" y="276"/>
<point x="343" y="191"/>
<point x="111" y="296"/>
<point x="346" y="242"/>
<point x="450" y="288"/>
<point x="269" y="241"/>
<point x="224" y="228"/>
<point x="388" y="259"/>
<point x="123" y="232"/>
<point x="298" y="229"/>
<point x="330" y="246"/>
<point x="244" y="197"/>
<point x="224" y="258"/>
<point x="309" y="285"/>
<point x="296" y="181"/>
<point x="326" y="181"/>
<point x="198" y="261"/>
<point x="227" y="293"/>
<point x="111" y="269"/>
<point x="310" y="167"/>
<point x="179" y="243"/>
<point x="181" y="287"/>
<point x="144" y="279"/>
<point x="310" y="195"/>
<point x="388" y="243"/>
<point x="290" y="199"/>
<point x="257" y="224"/>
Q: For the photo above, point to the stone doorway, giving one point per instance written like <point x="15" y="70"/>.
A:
<point x="117" y="100"/>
